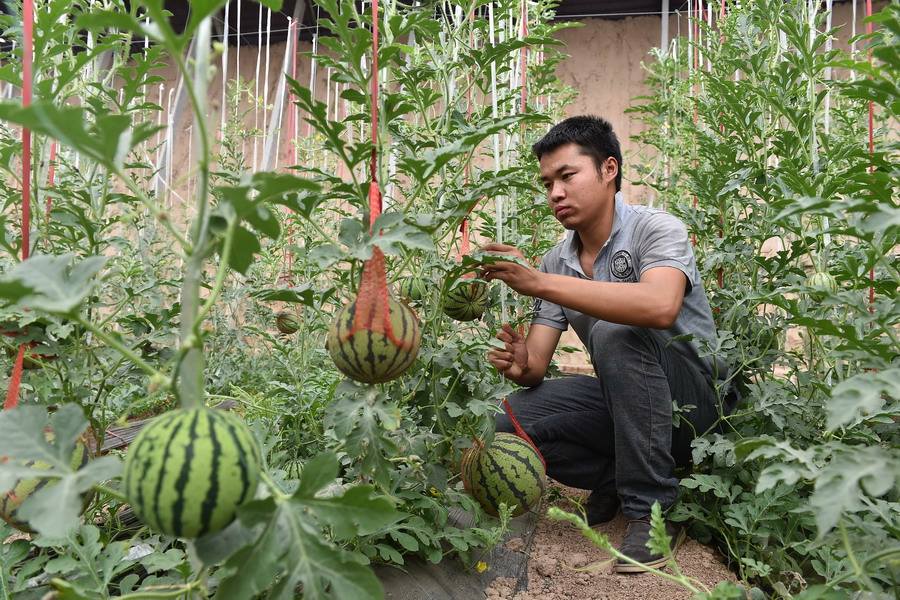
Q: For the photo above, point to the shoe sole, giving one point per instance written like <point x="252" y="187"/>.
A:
<point x="641" y="568"/>
<point x="654" y="564"/>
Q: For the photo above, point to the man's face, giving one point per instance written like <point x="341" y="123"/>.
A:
<point x="577" y="192"/>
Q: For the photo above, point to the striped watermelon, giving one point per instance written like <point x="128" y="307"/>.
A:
<point x="466" y="301"/>
<point x="13" y="499"/>
<point x="411" y="289"/>
<point x="189" y="469"/>
<point x="822" y="281"/>
<point x="287" y="322"/>
<point x="370" y="356"/>
<point x="508" y="471"/>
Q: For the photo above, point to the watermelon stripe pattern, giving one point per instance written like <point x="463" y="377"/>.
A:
<point x="508" y="471"/>
<point x="466" y="301"/>
<point x="13" y="499"/>
<point x="287" y="323"/>
<point x="189" y="470"/>
<point x="369" y="356"/>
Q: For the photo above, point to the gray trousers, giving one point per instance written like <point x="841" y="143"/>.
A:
<point x="615" y="431"/>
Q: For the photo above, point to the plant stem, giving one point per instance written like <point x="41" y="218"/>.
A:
<point x="190" y="378"/>
<point x="111" y="492"/>
<point x="118" y="346"/>
<point x="860" y="573"/>
<point x="602" y="542"/>
<point x="220" y="275"/>
<point x="149" y="595"/>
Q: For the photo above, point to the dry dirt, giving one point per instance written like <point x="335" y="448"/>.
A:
<point x="563" y="565"/>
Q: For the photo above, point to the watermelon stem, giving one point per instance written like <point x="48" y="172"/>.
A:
<point x="176" y="591"/>
<point x="189" y="376"/>
<point x="118" y="346"/>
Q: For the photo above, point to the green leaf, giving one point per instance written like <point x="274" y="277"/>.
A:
<point x="55" y="509"/>
<point x="291" y="552"/>
<point x="53" y="284"/>
<point x="317" y="473"/>
<point x="107" y="139"/>
<point x="841" y="483"/>
<point x="660" y="542"/>
<point x="302" y="294"/>
<point x="218" y="547"/>
<point x="22" y="430"/>
<point x="860" y="396"/>
<point x="243" y="248"/>
<point x="357" y="512"/>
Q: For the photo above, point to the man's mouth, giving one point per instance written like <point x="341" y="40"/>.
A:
<point x="561" y="211"/>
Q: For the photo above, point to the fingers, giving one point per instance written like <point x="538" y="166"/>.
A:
<point x="498" y="247"/>
<point x="509" y="335"/>
<point x="501" y="360"/>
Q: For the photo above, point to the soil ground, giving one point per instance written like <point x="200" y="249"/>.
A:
<point x="563" y="565"/>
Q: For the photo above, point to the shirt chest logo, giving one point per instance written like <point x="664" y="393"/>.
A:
<point x="621" y="265"/>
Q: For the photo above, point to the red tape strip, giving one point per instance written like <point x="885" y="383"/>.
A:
<point x="12" y="394"/>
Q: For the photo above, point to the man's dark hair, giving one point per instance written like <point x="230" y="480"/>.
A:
<point x="592" y="134"/>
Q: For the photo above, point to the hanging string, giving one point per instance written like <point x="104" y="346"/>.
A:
<point x="374" y="192"/>
<point x="521" y="432"/>
<point x="51" y="178"/>
<point x="372" y="310"/>
<point x="871" y="145"/>
<point x="12" y="393"/>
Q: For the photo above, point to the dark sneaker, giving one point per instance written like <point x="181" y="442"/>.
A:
<point x="601" y="507"/>
<point x="634" y="546"/>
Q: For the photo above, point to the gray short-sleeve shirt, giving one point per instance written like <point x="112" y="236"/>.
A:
<point x="642" y="238"/>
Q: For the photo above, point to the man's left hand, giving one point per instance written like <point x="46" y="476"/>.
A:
<point x="520" y="276"/>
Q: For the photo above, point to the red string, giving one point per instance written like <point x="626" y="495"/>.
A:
<point x="12" y="393"/>
<point x="374" y="193"/>
<point x="521" y="432"/>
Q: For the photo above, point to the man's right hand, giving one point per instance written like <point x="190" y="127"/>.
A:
<point x="512" y="361"/>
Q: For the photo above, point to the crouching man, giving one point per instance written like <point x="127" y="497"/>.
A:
<point x="625" y="279"/>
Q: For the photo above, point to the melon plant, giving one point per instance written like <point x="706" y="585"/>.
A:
<point x="507" y="471"/>
<point x="189" y="470"/>
<point x="466" y="300"/>
<point x="287" y="322"/>
<point x="13" y="499"/>
<point x="368" y="355"/>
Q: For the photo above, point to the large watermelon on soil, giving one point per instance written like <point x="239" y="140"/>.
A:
<point x="371" y="356"/>
<point x="508" y="470"/>
<point x="13" y="499"/>
<point x="466" y="300"/>
<point x="189" y="470"/>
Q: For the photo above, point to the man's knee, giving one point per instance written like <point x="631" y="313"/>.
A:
<point x="613" y="344"/>
<point x="606" y="335"/>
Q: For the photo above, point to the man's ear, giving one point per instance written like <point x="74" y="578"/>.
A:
<point x="610" y="169"/>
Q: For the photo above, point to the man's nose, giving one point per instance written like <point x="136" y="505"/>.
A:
<point x="556" y="192"/>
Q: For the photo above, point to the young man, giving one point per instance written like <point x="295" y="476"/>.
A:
<point x="625" y="279"/>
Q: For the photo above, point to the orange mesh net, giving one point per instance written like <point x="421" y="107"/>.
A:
<point x="372" y="311"/>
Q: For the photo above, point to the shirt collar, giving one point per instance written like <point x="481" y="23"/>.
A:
<point x="570" y="242"/>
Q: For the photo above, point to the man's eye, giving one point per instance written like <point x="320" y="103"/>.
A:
<point x="566" y="176"/>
